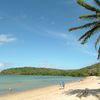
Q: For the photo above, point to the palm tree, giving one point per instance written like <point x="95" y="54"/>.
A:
<point x="93" y="26"/>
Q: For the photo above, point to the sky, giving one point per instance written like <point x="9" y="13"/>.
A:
<point x="35" y="33"/>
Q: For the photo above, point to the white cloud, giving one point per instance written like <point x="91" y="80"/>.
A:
<point x="1" y="64"/>
<point x="90" y="53"/>
<point x="4" y="65"/>
<point x="6" y="38"/>
<point x="71" y="40"/>
<point x="57" y="34"/>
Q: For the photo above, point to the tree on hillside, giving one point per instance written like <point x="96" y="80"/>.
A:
<point x="93" y="26"/>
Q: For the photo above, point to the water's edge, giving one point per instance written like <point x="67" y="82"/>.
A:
<point x="19" y="83"/>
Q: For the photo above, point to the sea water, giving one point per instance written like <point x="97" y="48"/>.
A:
<point x="15" y="83"/>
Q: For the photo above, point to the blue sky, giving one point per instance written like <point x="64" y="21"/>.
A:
<point x="35" y="33"/>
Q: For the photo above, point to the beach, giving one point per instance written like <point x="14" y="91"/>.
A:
<point x="55" y="93"/>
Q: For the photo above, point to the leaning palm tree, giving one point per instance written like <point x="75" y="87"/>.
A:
<point x="93" y="26"/>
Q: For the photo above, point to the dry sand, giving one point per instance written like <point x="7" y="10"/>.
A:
<point x="55" y="93"/>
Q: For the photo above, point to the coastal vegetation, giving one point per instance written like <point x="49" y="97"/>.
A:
<point x="86" y="71"/>
<point x="93" y="27"/>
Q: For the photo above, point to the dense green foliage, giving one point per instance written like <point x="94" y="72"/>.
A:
<point x="92" y="70"/>
<point x="32" y="71"/>
<point x="87" y="71"/>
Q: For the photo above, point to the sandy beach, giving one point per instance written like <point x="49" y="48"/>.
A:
<point x="55" y="93"/>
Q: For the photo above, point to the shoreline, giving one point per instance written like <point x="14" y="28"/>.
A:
<point x="37" y="88"/>
<point x="54" y="92"/>
<point x="27" y="90"/>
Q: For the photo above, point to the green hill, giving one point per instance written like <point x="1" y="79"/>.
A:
<point x="32" y="71"/>
<point x="92" y="70"/>
<point x="86" y="71"/>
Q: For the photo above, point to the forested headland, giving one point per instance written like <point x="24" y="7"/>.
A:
<point x="86" y="71"/>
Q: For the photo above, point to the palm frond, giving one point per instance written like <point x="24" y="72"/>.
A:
<point x="88" y="16"/>
<point x="98" y="53"/>
<point x="88" y="34"/>
<point x="97" y="2"/>
<point x="87" y="6"/>
<point x="97" y="41"/>
<point x="84" y="26"/>
<point x="98" y="15"/>
<point x="94" y="25"/>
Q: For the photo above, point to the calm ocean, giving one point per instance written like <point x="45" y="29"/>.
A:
<point x="14" y="83"/>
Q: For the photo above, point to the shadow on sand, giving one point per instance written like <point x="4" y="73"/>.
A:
<point x="84" y="93"/>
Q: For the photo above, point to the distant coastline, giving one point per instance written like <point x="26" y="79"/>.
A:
<point x="93" y="70"/>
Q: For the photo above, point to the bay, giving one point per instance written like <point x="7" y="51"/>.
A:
<point x="15" y="83"/>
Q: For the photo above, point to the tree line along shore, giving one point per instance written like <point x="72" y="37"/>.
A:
<point x="86" y="71"/>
